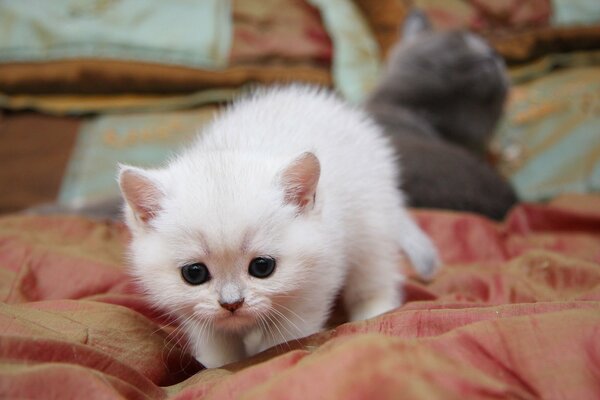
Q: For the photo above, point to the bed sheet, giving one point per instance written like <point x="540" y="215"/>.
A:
<point x="514" y="313"/>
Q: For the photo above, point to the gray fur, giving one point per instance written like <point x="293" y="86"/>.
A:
<point x="440" y="99"/>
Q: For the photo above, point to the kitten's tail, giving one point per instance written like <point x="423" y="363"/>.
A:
<point x="418" y="247"/>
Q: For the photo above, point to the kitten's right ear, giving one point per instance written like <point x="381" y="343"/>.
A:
<point x="415" y="24"/>
<point x="140" y="192"/>
<point x="299" y="181"/>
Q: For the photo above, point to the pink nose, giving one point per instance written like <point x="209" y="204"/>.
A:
<point x="232" y="306"/>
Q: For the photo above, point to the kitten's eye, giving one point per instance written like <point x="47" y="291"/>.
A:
<point x="261" y="267"/>
<point x="195" y="274"/>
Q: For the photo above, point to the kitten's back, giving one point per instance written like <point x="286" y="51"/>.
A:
<point x="357" y="188"/>
<point x="284" y="122"/>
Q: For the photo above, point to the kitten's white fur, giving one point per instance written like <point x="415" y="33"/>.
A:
<point x="223" y="202"/>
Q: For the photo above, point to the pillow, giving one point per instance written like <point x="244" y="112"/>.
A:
<point x="549" y="140"/>
<point x="268" y="46"/>
<point x="108" y="62"/>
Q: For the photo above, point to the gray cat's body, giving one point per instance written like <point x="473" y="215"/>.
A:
<point x="440" y="100"/>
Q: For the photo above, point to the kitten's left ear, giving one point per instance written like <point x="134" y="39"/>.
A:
<point x="141" y="192"/>
<point x="299" y="181"/>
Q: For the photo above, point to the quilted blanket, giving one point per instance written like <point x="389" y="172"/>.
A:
<point x="514" y="313"/>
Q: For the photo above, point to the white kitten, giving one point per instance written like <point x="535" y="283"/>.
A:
<point x="288" y="197"/>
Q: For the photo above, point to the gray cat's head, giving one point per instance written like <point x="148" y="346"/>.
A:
<point x="453" y="79"/>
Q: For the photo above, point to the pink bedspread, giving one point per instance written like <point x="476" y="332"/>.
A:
<point x="515" y="313"/>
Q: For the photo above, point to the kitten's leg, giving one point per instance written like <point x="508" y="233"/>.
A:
<point x="214" y="348"/>
<point x="417" y="246"/>
<point x="373" y="281"/>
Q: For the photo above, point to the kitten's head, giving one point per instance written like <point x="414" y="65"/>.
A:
<point x="454" y="79"/>
<point x="222" y="238"/>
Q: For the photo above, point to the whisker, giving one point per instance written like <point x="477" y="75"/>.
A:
<point x="291" y="323"/>
<point x="187" y="344"/>
<point x="171" y="340"/>
<point x="290" y="310"/>
<point x="262" y="324"/>
<point x="281" y="335"/>
<point x="268" y="324"/>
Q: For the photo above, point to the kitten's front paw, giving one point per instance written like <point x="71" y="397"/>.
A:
<point x="219" y="351"/>
<point x="214" y="360"/>
<point x="372" y="308"/>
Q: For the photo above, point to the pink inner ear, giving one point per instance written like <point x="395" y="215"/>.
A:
<point x="300" y="180"/>
<point x="141" y="193"/>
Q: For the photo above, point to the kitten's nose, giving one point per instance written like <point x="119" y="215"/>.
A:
<point x="232" y="306"/>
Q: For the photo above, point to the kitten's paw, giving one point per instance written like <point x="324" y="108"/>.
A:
<point x="218" y="350"/>
<point x="371" y="308"/>
<point x="215" y="360"/>
<point x="212" y="359"/>
<point x="426" y="262"/>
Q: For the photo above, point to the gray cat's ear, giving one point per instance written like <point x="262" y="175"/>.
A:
<point x="142" y="194"/>
<point x="415" y="24"/>
<point x="299" y="181"/>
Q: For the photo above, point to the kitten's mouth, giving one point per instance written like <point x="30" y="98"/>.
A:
<point x="237" y="320"/>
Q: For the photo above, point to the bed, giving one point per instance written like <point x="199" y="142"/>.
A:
<point x="515" y="313"/>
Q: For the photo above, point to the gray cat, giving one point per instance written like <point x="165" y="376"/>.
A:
<point x="440" y="99"/>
